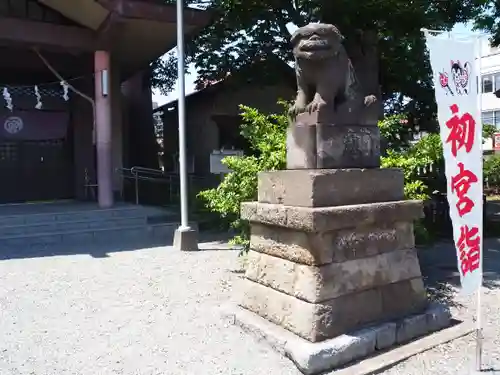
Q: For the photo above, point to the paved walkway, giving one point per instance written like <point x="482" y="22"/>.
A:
<point x="155" y="311"/>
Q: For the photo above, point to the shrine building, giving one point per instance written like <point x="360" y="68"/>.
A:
<point x="68" y="81"/>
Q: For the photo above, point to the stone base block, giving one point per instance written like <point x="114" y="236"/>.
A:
<point x="320" y="321"/>
<point x="314" y="358"/>
<point x="313" y="248"/>
<point x="317" y="145"/>
<point x="186" y="239"/>
<point x="331" y="187"/>
<point x="324" y="219"/>
<point x="317" y="284"/>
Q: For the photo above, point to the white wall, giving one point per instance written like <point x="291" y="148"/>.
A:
<point x="490" y="64"/>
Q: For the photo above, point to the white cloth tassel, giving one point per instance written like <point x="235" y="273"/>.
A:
<point x="38" y="98"/>
<point x="8" y="99"/>
<point x="65" y="87"/>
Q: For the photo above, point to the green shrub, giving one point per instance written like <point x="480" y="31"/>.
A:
<point x="395" y="132"/>
<point x="266" y="135"/>
<point x="428" y="151"/>
<point x="491" y="169"/>
<point x="425" y="153"/>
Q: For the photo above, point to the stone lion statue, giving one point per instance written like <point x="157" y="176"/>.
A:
<point x="325" y="76"/>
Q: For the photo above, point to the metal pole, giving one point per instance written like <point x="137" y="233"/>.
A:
<point x="181" y="111"/>
<point x="479" y="325"/>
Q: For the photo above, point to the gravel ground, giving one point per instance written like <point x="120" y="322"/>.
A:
<point x="457" y="357"/>
<point x="156" y="311"/>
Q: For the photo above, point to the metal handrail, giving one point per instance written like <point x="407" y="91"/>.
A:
<point x="154" y="175"/>
<point x="145" y="174"/>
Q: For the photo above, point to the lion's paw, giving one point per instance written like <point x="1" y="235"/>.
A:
<point x="314" y="106"/>
<point x="296" y="109"/>
<point x="369" y="100"/>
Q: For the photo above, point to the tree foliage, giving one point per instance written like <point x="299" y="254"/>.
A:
<point x="488" y="131"/>
<point x="246" y="30"/>
<point x="491" y="172"/>
<point x="489" y="21"/>
<point x="395" y="132"/>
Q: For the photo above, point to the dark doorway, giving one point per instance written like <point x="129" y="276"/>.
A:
<point x="229" y="127"/>
<point x="36" y="156"/>
<point x="35" y="171"/>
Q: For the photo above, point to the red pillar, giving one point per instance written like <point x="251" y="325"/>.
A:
<point x="103" y="130"/>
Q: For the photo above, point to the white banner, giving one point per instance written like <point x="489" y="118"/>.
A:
<point x="455" y="75"/>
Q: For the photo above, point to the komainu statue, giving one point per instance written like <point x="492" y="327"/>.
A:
<point x="326" y="79"/>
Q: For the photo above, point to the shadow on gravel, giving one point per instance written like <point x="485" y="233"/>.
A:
<point x="96" y="250"/>
<point x="441" y="292"/>
<point x="208" y="241"/>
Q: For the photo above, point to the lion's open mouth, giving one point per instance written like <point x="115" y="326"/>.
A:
<point x="315" y="45"/>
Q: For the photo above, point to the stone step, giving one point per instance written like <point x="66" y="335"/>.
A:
<point x="80" y="215"/>
<point x="51" y="226"/>
<point x="139" y="235"/>
<point x="83" y="229"/>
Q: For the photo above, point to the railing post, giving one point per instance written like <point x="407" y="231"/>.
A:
<point x="148" y="174"/>
<point x="136" y="175"/>
<point x="136" y="189"/>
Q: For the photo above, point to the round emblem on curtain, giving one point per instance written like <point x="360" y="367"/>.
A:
<point x="13" y="124"/>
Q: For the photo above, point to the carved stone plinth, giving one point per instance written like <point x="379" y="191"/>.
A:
<point x="317" y="265"/>
<point x="332" y="252"/>
<point x="313" y="144"/>
<point x="333" y="273"/>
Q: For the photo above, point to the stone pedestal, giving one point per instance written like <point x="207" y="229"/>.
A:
<point x="332" y="252"/>
<point x="314" y="144"/>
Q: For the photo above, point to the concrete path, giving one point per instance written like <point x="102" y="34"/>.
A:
<point x="155" y="311"/>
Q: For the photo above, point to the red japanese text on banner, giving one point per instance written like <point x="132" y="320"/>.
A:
<point x="453" y="65"/>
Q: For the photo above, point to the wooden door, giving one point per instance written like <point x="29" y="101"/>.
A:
<point x="35" y="171"/>
<point x="10" y="178"/>
<point x="46" y="170"/>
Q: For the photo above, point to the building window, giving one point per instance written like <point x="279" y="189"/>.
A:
<point x="491" y="118"/>
<point x="488" y="84"/>
<point x="496" y="82"/>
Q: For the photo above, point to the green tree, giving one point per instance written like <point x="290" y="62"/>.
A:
<point x="488" y="131"/>
<point x="489" y="21"/>
<point x="246" y="30"/>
